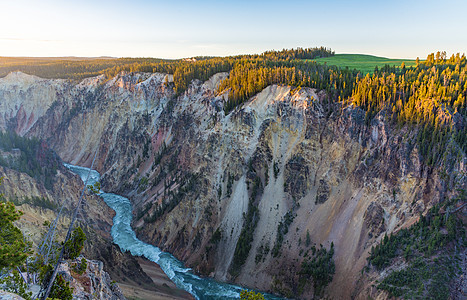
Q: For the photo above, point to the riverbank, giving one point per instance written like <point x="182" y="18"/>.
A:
<point x="181" y="276"/>
<point x="164" y="288"/>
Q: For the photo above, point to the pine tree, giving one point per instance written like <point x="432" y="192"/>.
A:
<point x="13" y="249"/>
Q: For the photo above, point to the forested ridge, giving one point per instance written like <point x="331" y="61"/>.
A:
<point x="64" y="68"/>
<point x="184" y="70"/>
<point x="250" y="76"/>
<point x="430" y="96"/>
<point x="431" y="248"/>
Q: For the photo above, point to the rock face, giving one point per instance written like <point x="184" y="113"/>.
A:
<point x="93" y="283"/>
<point x="95" y="218"/>
<point x="9" y="296"/>
<point x="192" y="173"/>
<point x="374" y="219"/>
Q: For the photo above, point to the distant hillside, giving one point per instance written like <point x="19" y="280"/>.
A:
<point x="362" y="62"/>
<point x="68" y="67"/>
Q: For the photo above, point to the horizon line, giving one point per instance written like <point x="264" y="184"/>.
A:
<point x="162" y="58"/>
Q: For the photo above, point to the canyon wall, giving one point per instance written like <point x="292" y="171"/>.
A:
<point x="311" y="171"/>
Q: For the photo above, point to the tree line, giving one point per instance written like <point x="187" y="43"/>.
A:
<point x="184" y="71"/>
<point x="250" y="76"/>
<point x="298" y="53"/>
<point x="63" y="68"/>
<point x="428" y="96"/>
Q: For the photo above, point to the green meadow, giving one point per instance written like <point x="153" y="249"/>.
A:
<point x="362" y="62"/>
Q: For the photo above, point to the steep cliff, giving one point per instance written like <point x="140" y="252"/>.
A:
<point x="41" y="200"/>
<point x="243" y="197"/>
<point x="86" y="278"/>
<point x="90" y="283"/>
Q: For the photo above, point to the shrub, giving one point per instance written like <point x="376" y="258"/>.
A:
<point x="81" y="267"/>
<point x="61" y="289"/>
<point x="250" y="295"/>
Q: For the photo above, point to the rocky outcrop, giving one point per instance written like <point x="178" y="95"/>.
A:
<point x="297" y="176"/>
<point x="9" y="296"/>
<point x="374" y="219"/>
<point x="189" y="170"/>
<point x="90" y="283"/>
<point x="22" y="189"/>
<point x="322" y="194"/>
<point x="41" y="205"/>
<point x="85" y="277"/>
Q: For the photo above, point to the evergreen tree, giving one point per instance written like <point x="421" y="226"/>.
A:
<point x="75" y="244"/>
<point x="13" y="249"/>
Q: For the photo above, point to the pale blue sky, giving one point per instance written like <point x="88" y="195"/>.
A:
<point x="175" y="29"/>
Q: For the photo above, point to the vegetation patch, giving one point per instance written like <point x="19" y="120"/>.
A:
<point x="425" y="97"/>
<point x="171" y="199"/>
<point x="282" y="230"/>
<point x="75" y="244"/>
<point x="319" y="269"/>
<point x="430" y="247"/>
<point x="424" y="278"/>
<point x="216" y="237"/>
<point x="245" y="239"/>
<point x="35" y="201"/>
<point x="13" y="248"/>
<point x="29" y="156"/>
<point x="80" y="267"/>
<point x="262" y="252"/>
<point x="251" y="295"/>
<point x="14" y="283"/>
<point x="61" y="289"/>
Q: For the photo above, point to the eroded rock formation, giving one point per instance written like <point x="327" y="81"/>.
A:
<point x="190" y="170"/>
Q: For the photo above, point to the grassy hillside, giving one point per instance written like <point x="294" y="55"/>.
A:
<point x="362" y="62"/>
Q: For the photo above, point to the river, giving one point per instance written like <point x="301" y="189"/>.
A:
<point x="124" y="236"/>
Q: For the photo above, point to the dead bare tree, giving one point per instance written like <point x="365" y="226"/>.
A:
<point x="68" y="235"/>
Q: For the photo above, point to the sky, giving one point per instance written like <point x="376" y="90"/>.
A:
<point x="179" y="28"/>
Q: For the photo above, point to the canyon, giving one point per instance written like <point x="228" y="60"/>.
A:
<point x="314" y="172"/>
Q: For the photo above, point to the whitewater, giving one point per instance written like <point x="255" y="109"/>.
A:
<point x="124" y="236"/>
